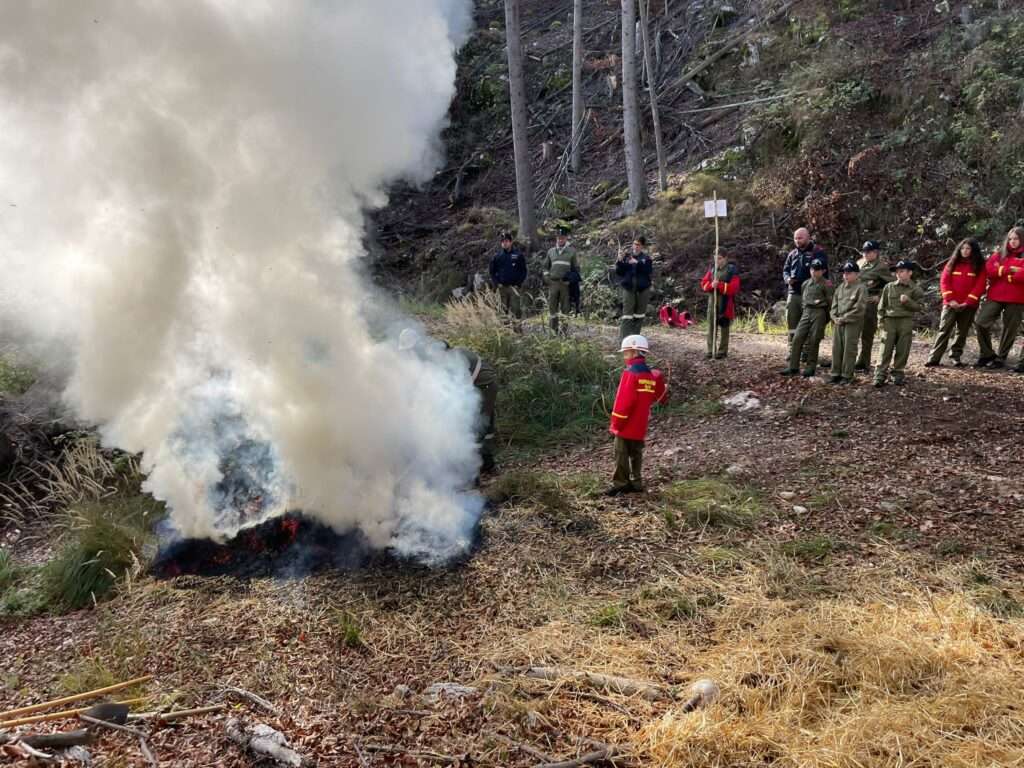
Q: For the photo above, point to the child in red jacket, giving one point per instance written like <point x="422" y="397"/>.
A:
<point x="639" y="389"/>
<point x="962" y="285"/>
<point x="725" y="284"/>
<point x="1005" y="298"/>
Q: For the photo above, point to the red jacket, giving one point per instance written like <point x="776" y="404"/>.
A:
<point x="1004" y="285"/>
<point x="639" y="389"/>
<point x="962" y="284"/>
<point x="728" y="289"/>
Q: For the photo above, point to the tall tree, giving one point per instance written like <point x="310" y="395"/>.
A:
<point x="630" y="111"/>
<point x="577" y="82"/>
<point x="520" y="142"/>
<point x="652" y="89"/>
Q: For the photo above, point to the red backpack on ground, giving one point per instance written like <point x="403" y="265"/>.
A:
<point x="673" y="318"/>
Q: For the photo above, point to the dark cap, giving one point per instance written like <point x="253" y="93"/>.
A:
<point x="850" y="266"/>
<point x="871" y="245"/>
<point x="562" y="229"/>
<point x="640" y="239"/>
<point x="505" y="236"/>
<point x="817" y="264"/>
<point x="903" y="264"/>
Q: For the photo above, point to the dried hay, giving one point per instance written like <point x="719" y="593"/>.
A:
<point x="921" y="681"/>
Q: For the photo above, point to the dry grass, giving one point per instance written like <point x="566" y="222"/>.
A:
<point x="922" y="681"/>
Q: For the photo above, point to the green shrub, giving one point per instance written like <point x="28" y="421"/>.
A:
<point x="553" y="390"/>
<point x="103" y="544"/>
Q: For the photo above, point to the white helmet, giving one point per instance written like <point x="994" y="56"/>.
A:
<point x="635" y="342"/>
<point x="408" y="339"/>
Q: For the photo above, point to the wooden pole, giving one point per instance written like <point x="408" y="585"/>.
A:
<point x="58" y="715"/>
<point x="714" y="288"/>
<point x="77" y="697"/>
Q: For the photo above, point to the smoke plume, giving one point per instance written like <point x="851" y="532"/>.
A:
<point x="182" y="192"/>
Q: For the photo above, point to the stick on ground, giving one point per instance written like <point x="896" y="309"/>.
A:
<point x="77" y="697"/>
<point x="623" y="685"/>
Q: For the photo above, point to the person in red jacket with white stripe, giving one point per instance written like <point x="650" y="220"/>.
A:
<point x="724" y="285"/>
<point x="639" y="389"/>
<point x="1005" y="298"/>
<point x="962" y="285"/>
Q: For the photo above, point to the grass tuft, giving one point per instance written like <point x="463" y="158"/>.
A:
<point x="103" y="545"/>
<point x="710" y="502"/>
<point x="814" y="549"/>
<point x="8" y="571"/>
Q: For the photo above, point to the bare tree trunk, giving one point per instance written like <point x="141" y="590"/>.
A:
<point x="652" y="89"/>
<point x="577" y="82"/>
<point x="520" y="143"/>
<point x="630" y="109"/>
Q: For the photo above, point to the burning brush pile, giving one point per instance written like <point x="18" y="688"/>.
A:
<point x="288" y="546"/>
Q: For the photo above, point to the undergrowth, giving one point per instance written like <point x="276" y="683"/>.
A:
<point x="103" y="544"/>
<point x="553" y="390"/>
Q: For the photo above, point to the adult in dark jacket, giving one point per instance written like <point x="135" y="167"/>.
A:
<point x="508" y="272"/>
<point x="633" y="271"/>
<point x="795" y="271"/>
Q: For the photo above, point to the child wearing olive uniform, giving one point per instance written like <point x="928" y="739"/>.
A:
<point x="849" y="305"/>
<point x="816" y="297"/>
<point x="874" y="276"/>
<point x="896" y="308"/>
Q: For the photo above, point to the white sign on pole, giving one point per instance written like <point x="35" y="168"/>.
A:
<point x="710" y="212"/>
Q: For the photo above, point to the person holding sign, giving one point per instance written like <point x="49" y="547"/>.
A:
<point x="723" y="284"/>
<point x="634" y="270"/>
<point x="795" y="272"/>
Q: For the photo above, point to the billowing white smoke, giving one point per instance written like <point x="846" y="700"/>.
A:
<point x="182" y="186"/>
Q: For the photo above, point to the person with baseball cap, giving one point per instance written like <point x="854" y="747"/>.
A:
<point x="896" y="308"/>
<point x="874" y="276"/>
<point x="508" y="273"/>
<point x="640" y="387"/>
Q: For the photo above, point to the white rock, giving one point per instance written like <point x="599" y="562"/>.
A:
<point x="742" y="401"/>
<point x="451" y="690"/>
<point x="787" y="495"/>
<point x="799" y="510"/>
<point x="735" y="470"/>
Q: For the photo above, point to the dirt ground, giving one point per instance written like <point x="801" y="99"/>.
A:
<point x="907" y="498"/>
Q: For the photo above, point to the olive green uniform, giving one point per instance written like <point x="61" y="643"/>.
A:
<point x="629" y="456"/>
<point x="485" y="379"/>
<point x="557" y="266"/>
<point x="958" y="320"/>
<point x="874" y="277"/>
<point x="897" y="320"/>
<point x="816" y="297"/>
<point x="986" y="317"/>
<point x="849" y="306"/>
<point x="510" y="302"/>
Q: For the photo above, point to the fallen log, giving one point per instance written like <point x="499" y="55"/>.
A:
<point x="61" y="740"/>
<point x="264" y="741"/>
<point x="597" y="756"/>
<point x="69" y="699"/>
<point x="621" y="685"/>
